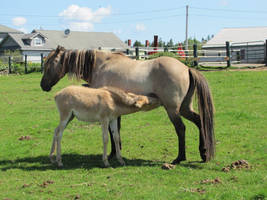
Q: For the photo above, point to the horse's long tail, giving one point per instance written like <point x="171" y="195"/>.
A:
<point x="206" y="110"/>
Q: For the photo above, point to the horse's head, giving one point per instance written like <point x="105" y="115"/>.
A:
<point x="53" y="69"/>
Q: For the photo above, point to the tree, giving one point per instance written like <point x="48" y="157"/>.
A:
<point x="170" y="43"/>
<point x="138" y="44"/>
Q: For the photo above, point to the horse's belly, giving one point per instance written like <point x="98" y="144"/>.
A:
<point x="137" y="86"/>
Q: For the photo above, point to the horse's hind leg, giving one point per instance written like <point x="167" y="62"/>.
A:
<point x="180" y="131"/>
<point x="113" y="146"/>
<point x="114" y="129"/>
<point x="188" y="113"/>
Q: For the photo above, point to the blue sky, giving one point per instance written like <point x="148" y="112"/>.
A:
<point x="136" y="20"/>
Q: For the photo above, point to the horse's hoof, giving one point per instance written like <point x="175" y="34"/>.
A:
<point x="111" y="155"/>
<point x="177" y="161"/>
<point x="203" y="157"/>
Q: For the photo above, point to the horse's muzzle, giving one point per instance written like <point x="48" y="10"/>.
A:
<point x="45" y="87"/>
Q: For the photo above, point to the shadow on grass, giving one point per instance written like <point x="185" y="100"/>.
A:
<point x="70" y="161"/>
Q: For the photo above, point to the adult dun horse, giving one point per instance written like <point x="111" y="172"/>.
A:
<point x="167" y="78"/>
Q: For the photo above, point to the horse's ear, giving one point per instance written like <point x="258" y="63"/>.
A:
<point x="60" y="48"/>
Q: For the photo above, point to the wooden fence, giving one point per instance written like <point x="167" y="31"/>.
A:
<point x="224" y="54"/>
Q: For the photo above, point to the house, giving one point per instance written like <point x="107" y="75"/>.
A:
<point x="4" y="30"/>
<point x="247" y="45"/>
<point x="43" y="41"/>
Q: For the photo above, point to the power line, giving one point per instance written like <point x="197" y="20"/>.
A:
<point x="231" y="10"/>
<point x="227" y="17"/>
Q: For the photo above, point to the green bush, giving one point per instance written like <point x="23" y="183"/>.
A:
<point x="187" y="61"/>
<point x="19" y="68"/>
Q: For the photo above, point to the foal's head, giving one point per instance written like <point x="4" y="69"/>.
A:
<point x="53" y="69"/>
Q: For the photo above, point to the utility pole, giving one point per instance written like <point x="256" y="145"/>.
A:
<point x="186" y="30"/>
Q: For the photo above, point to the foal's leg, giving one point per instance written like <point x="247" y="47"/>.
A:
<point x="114" y="129"/>
<point x="57" y="143"/>
<point x="113" y="147"/>
<point x="180" y="131"/>
<point x="54" y="145"/>
<point x="105" y="142"/>
<point x="57" y="139"/>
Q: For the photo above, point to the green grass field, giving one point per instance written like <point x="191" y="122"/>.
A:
<point x="148" y="139"/>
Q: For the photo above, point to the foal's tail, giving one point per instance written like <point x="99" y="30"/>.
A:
<point x="206" y="110"/>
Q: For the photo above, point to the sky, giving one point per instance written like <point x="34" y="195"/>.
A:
<point x="136" y="20"/>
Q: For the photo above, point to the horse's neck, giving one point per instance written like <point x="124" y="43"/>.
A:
<point x="102" y="57"/>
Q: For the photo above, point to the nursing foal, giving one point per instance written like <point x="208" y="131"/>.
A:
<point x="91" y="105"/>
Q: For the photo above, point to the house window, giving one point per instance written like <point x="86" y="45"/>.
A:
<point x="37" y="42"/>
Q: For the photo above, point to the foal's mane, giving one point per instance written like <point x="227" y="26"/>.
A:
<point x="78" y="63"/>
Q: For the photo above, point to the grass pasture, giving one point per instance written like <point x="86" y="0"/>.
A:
<point x="148" y="141"/>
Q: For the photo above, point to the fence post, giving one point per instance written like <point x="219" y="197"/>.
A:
<point x="265" y="52"/>
<point x="228" y="53"/>
<point x="195" y="55"/>
<point x="9" y="64"/>
<point x="26" y="70"/>
<point x="42" y="62"/>
<point x="137" y="53"/>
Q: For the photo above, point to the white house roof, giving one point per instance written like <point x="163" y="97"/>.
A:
<point x="238" y="35"/>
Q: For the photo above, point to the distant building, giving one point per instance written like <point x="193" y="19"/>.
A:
<point x="43" y="41"/>
<point x="4" y="31"/>
<point x="247" y="44"/>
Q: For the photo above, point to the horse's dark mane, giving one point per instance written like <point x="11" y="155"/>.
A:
<point x="78" y="63"/>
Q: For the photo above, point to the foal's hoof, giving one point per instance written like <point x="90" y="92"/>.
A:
<point x="52" y="159"/>
<point x="122" y="162"/>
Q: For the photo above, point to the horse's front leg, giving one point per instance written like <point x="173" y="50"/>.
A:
<point x="105" y="142"/>
<point x="114" y="129"/>
<point x="113" y="146"/>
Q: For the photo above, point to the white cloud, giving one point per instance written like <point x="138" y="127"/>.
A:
<point x="83" y="18"/>
<point x="140" y="27"/>
<point x="224" y="2"/>
<point x="19" y="21"/>
<point x="81" y="26"/>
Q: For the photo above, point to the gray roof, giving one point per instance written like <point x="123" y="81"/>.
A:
<point x="238" y="35"/>
<point x="18" y="38"/>
<point x="5" y="29"/>
<point x="81" y="40"/>
<point x="75" y="40"/>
